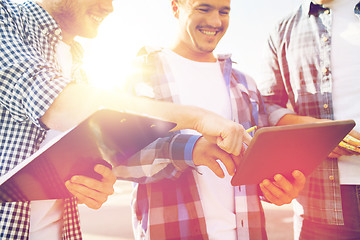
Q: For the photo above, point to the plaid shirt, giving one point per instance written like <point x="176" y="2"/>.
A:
<point x="171" y="208"/>
<point x="299" y="70"/>
<point x="30" y="80"/>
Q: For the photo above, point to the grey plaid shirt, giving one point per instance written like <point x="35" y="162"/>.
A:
<point x="30" y="80"/>
<point x="298" y="69"/>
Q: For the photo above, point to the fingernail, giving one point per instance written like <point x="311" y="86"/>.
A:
<point x="266" y="182"/>
<point x="296" y="173"/>
<point x="278" y="177"/>
<point x="74" y="179"/>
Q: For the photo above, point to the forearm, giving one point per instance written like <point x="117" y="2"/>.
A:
<point x="291" y="119"/>
<point x="76" y="102"/>
<point x="165" y="158"/>
<point x="186" y="117"/>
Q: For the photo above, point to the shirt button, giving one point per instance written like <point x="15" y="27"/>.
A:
<point x="325" y="70"/>
<point x="57" y="31"/>
<point x="331" y="178"/>
<point x="326" y="106"/>
<point x="325" y="39"/>
<point x="327" y="11"/>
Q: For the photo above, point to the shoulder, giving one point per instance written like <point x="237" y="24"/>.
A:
<point x="245" y="79"/>
<point x="146" y="53"/>
<point x="149" y="60"/>
<point x="286" y="24"/>
<point x="17" y="16"/>
<point x="9" y="9"/>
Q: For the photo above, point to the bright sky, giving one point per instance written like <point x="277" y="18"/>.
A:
<point x="149" y="22"/>
<point x="136" y="23"/>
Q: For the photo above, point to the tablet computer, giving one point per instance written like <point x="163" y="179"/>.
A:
<point x="76" y="152"/>
<point x="283" y="149"/>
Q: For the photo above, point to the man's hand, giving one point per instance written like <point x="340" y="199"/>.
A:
<point x="91" y="192"/>
<point x="206" y="153"/>
<point x="228" y="135"/>
<point x="283" y="191"/>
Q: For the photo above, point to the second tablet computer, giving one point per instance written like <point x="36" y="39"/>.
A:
<point x="284" y="149"/>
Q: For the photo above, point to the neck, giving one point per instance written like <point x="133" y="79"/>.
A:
<point x="191" y="54"/>
<point x="49" y="6"/>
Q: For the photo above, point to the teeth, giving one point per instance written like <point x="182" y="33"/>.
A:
<point x="210" y="33"/>
<point x="96" y="18"/>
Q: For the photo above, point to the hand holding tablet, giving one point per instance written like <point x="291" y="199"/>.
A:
<point x="283" y="149"/>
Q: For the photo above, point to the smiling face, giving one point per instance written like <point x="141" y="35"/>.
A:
<point x="79" y="17"/>
<point x="202" y="23"/>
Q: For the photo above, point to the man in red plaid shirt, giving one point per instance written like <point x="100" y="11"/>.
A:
<point x="183" y="192"/>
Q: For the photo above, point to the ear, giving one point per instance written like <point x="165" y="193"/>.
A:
<point x="175" y="8"/>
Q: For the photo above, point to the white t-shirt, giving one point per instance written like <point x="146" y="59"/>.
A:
<point x="46" y="215"/>
<point x="202" y="84"/>
<point x="345" y="60"/>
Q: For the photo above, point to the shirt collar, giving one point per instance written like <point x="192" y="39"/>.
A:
<point x="223" y="57"/>
<point x="315" y="9"/>
<point x="357" y="9"/>
<point x="46" y="22"/>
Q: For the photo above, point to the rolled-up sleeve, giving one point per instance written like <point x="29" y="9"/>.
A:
<point x="164" y="158"/>
<point x="28" y="82"/>
<point x="271" y="84"/>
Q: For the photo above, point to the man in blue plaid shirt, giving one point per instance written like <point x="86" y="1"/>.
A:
<point x="42" y="88"/>
<point x="313" y="65"/>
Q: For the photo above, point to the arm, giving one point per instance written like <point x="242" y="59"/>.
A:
<point x="164" y="158"/>
<point x="276" y="96"/>
<point x="80" y="101"/>
<point x="169" y="157"/>
<point x="94" y="193"/>
<point x="274" y="76"/>
<point x="290" y="119"/>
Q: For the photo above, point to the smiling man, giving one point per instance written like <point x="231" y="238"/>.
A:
<point x="185" y="199"/>
<point x="43" y="90"/>
<point x="78" y="18"/>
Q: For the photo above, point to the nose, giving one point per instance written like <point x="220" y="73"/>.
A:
<point x="215" y="19"/>
<point x="106" y="5"/>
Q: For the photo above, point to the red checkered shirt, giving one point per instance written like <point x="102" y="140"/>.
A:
<point x="166" y="203"/>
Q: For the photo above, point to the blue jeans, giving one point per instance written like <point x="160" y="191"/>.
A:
<point x="350" y="195"/>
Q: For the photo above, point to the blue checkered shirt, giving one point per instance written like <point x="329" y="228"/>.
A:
<point x="298" y="70"/>
<point x="30" y="81"/>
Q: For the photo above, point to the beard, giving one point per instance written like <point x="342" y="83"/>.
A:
<point x="65" y="12"/>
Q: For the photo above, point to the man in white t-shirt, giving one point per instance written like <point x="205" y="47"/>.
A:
<point x="313" y="63"/>
<point x="185" y="200"/>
